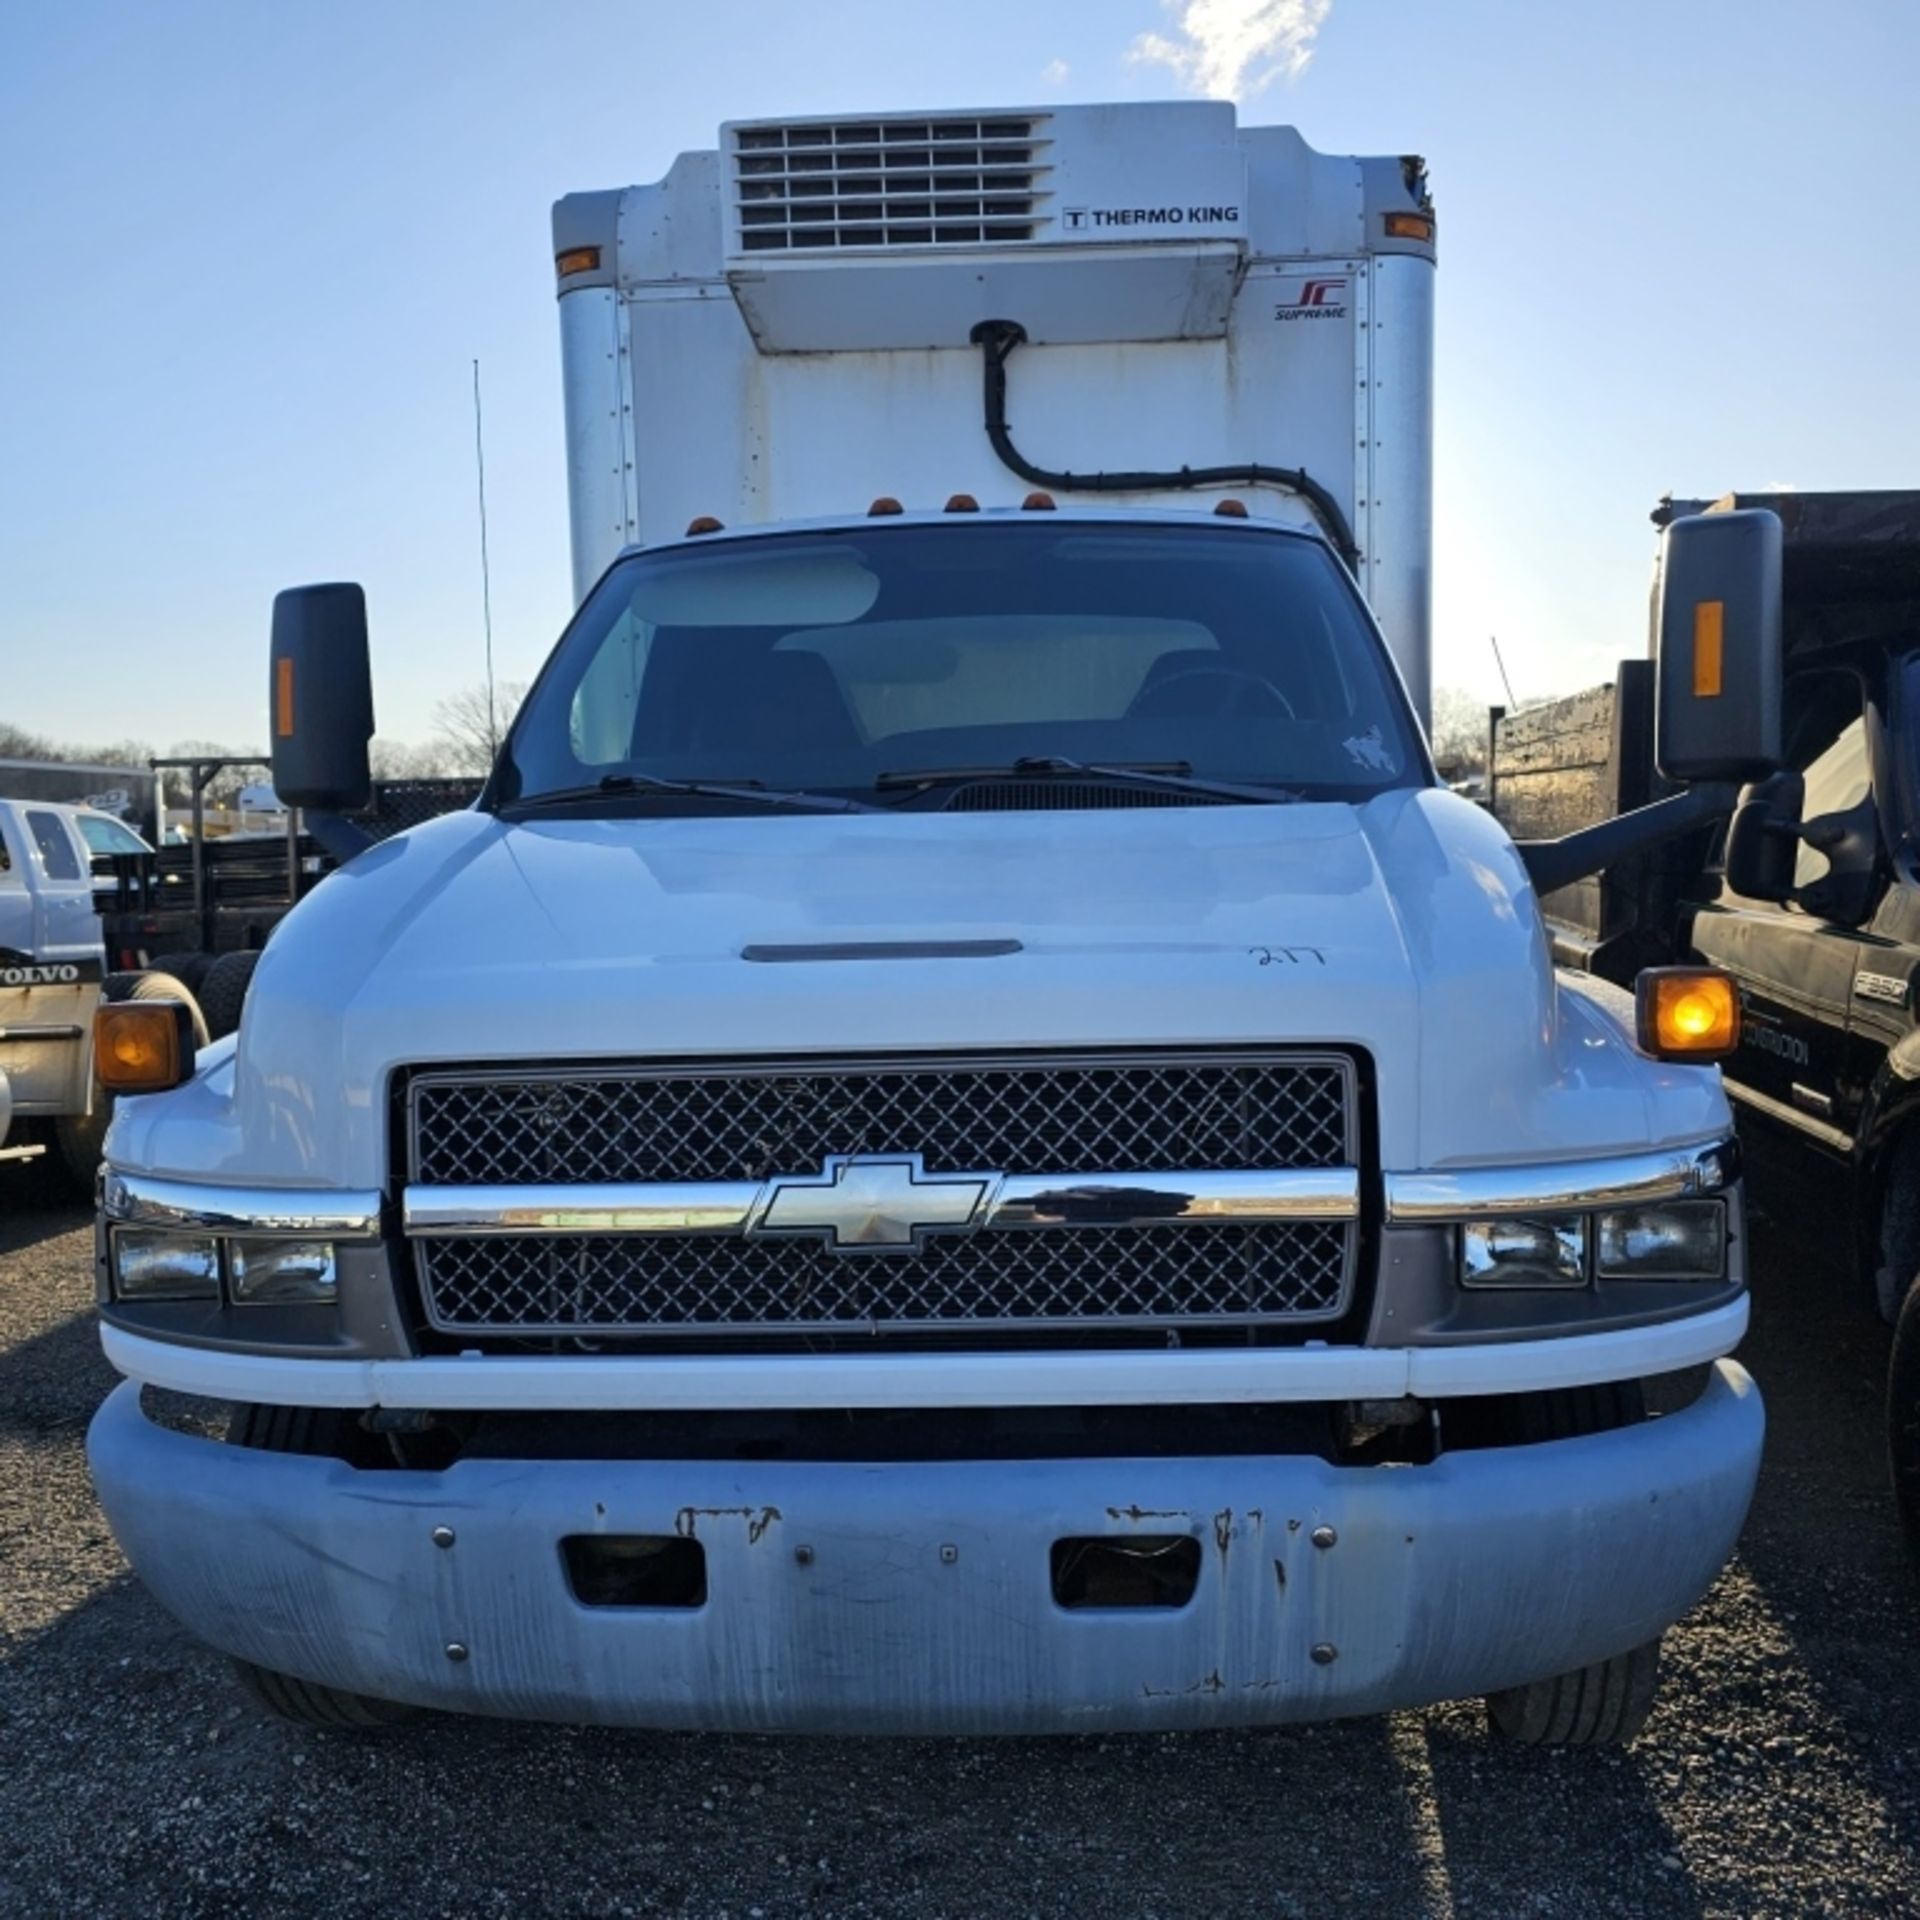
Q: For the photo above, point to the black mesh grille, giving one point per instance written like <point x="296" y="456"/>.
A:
<point x="758" y="1121"/>
<point x="506" y="1129"/>
<point x="594" y="1286"/>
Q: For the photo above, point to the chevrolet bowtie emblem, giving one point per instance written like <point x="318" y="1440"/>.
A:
<point x="863" y="1202"/>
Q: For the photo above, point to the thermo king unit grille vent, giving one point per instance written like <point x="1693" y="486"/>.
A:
<point x="888" y="183"/>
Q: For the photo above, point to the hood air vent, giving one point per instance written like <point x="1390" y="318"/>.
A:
<point x="1067" y="796"/>
<point x="967" y="181"/>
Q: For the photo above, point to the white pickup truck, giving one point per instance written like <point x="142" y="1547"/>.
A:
<point x="964" y="1139"/>
<point x="52" y="970"/>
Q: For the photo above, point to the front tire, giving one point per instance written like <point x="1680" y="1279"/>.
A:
<point x="306" y="1703"/>
<point x="1903" y="1416"/>
<point x="223" y="993"/>
<point x="1605" y="1704"/>
<point x="328" y="1433"/>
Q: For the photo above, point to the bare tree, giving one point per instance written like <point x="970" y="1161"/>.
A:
<point x="16" y="743"/>
<point x="224" y="788"/>
<point x="468" y="731"/>
<point x="409" y="759"/>
<point x="1458" y="733"/>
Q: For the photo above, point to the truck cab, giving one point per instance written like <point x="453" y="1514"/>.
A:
<point x="964" y="1138"/>
<point x="1804" y="889"/>
<point x="1826" y="954"/>
<point x="51" y="968"/>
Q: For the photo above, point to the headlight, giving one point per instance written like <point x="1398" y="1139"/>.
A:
<point x="1524" y="1253"/>
<point x="1683" y="1241"/>
<point x="165" y="1266"/>
<point x="280" y="1272"/>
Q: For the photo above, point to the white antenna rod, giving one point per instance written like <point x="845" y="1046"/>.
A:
<point x="486" y="588"/>
<point x="1492" y="640"/>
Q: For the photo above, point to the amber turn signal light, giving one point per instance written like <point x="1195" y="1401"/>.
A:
<point x="1687" y="1013"/>
<point x="142" y="1046"/>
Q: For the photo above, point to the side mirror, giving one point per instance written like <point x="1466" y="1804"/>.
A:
<point x="1719" y="647"/>
<point x="321" y="698"/>
<point x="1763" y="839"/>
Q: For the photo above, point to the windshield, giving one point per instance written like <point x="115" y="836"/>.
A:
<point x="827" y="661"/>
<point x="103" y="834"/>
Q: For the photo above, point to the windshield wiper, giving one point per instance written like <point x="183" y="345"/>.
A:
<point x="615" y="784"/>
<point x="1168" y="776"/>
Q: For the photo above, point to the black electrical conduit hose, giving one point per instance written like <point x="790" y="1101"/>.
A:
<point x="997" y="339"/>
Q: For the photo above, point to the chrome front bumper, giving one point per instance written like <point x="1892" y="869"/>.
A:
<point x="922" y="1601"/>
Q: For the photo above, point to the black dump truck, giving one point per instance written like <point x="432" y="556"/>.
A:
<point x="1806" y="887"/>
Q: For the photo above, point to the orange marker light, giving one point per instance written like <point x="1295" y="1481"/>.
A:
<point x="1709" y="634"/>
<point x="577" y="260"/>
<point x="884" y="508"/>
<point x="1409" y="226"/>
<point x="283" y="699"/>
<point x="962" y="503"/>
<point x="1038" y="503"/>
<point x="138" y="1045"/>
<point x="1687" y="1013"/>
<point x="1230" y="509"/>
<point x="704" y="523"/>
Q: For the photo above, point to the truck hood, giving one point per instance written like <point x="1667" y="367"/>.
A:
<point x="1405" y="929"/>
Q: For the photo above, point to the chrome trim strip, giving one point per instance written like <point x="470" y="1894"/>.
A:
<point x="1026" y="1200"/>
<point x="41" y="1033"/>
<point x="1564" y="1186"/>
<point x="129" y="1199"/>
<point x="1163" y="1199"/>
<point x="1113" y="1377"/>
<point x="711" y="1206"/>
<point x="1788" y="1116"/>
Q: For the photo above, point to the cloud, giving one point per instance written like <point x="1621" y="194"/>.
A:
<point x="1054" y="73"/>
<point x="1233" y="49"/>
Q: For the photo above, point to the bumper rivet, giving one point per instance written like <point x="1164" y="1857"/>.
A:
<point x="456" y="1652"/>
<point x="803" y="1555"/>
<point x="1325" y="1654"/>
<point x="443" y="1536"/>
<point x="1323" y="1537"/>
<point x="948" y="1555"/>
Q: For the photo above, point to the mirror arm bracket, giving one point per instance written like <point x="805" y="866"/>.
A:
<point x="337" y="834"/>
<point x="1552" y="864"/>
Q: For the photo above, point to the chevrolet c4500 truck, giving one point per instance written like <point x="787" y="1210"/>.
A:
<point x="964" y="1139"/>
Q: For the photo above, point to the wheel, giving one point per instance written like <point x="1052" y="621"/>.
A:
<point x="79" y="1144"/>
<point x="1903" y="1416"/>
<point x="308" y="1704"/>
<point x="190" y="969"/>
<point x="1603" y="1705"/>
<point x="330" y="1433"/>
<point x="224" y="992"/>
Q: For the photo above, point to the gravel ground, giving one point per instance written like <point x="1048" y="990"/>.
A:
<point x="1780" y="1773"/>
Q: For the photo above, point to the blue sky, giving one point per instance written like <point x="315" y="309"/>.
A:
<point x="249" y="250"/>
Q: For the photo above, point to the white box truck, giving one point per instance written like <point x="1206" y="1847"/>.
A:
<point x="964" y="1139"/>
